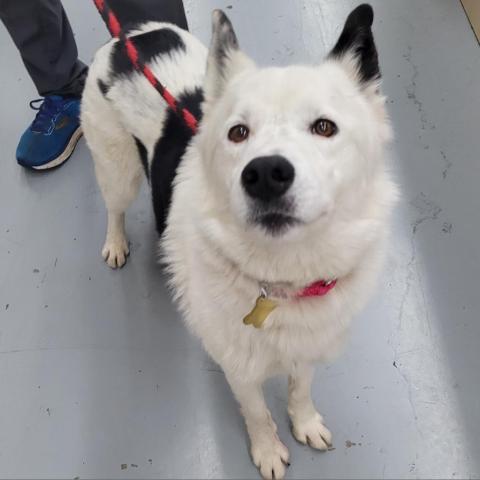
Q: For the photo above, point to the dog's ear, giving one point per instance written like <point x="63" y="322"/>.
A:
<point x="356" y="47"/>
<point x="225" y="59"/>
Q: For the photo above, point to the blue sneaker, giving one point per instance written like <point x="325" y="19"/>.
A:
<point x="51" y="138"/>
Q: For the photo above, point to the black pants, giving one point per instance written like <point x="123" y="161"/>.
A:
<point x="41" y="31"/>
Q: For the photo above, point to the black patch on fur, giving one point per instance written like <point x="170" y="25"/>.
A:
<point x="168" y="153"/>
<point x="142" y="151"/>
<point x="149" y="44"/>
<point x="104" y="88"/>
<point x="357" y="38"/>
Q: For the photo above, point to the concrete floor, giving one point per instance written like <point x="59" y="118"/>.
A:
<point x="100" y="379"/>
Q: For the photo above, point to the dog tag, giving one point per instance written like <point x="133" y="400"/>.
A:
<point x="262" y="309"/>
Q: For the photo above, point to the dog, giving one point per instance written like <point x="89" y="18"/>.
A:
<point x="273" y="217"/>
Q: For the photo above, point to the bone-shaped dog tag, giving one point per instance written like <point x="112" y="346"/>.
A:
<point x="262" y="309"/>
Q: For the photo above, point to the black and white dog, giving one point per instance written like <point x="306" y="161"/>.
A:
<point x="275" y="212"/>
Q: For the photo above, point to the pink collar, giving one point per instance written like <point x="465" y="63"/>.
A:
<point x="315" y="289"/>
<point x="266" y="303"/>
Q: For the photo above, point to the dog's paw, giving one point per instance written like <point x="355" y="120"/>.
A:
<point x="271" y="457"/>
<point x="115" y="252"/>
<point x="313" y="432"/>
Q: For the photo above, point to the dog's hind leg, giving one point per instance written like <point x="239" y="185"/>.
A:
<point x="307" y="423"/>
<point x="118" y="169"/>
<point x="269" y="454"/>
<point x="119" y="175"/>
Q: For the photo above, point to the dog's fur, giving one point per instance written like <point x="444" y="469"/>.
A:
<point x="217" y="245"/>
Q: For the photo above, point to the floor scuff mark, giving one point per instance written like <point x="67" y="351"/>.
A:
<point x="411" y="88"/>
<point x="448" y="164"/>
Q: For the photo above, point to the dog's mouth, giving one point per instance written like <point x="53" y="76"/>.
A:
<point x="274" y="219"/>
<point x="276" y="223"/>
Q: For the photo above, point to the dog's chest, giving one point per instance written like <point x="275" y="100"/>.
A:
<point x="297" y="330"/>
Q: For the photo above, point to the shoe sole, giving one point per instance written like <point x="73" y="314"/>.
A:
<point x="65" y="155"/>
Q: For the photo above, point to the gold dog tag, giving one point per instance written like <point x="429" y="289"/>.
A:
<point x="262" y="309"/>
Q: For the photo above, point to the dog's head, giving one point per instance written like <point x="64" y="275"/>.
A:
<point x="287" y="147"/>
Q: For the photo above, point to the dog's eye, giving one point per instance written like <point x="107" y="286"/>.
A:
<point x="238" y="133"/>
<point x="324" y="127"/>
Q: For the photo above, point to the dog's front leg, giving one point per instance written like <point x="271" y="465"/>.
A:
<point x="269" y="454"/>
<point x="307" y="423"/>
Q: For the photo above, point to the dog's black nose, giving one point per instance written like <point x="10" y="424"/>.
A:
<point x="268" y="178"/>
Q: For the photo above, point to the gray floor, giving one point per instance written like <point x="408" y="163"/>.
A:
<point x="99" y="377"/>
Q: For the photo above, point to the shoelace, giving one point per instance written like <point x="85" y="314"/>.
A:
<point x="47" y="109"/>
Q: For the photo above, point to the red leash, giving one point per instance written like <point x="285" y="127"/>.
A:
<point x="113" y="25"/>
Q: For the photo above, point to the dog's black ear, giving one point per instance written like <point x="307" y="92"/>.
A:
<point x="224" y="58"/>
<point x="356" y="41"/>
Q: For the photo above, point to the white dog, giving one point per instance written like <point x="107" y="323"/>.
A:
<point x="279" y="202"/>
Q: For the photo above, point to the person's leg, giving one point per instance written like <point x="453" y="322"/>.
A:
<point x="133" y="12"/>
<point x="42" y="33"/>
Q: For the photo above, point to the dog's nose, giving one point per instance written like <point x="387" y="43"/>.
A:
<point x="268" y="178"/>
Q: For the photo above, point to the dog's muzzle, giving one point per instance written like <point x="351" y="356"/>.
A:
<point x="266" y="180"/>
